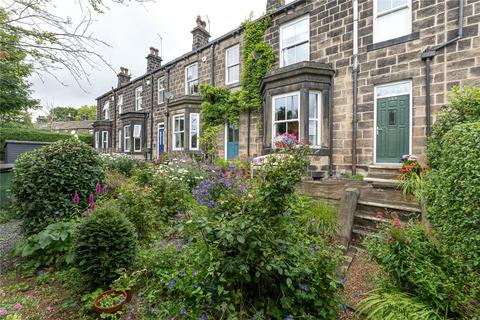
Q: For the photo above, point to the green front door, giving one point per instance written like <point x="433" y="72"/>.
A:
<point x="392" y="128"/>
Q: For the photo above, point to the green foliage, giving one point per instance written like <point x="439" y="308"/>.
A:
<point x="50" y="246"/>
<point x="63" y="113"/>
<point x="412" y="178"/>
<point x="419" y="265"/>
<point x="21" y="119"/>
<point x="219" y="106"/>
<point x="209" y="141"/>
<point x="464" y="107"/>
<point x="29" y="134"/>
<point x="318" y="218"/>
<point x="394" y="305"/>
<point x="45" y="181"/>
<point x="105" y="243"/>
<point x="123" y="164"/>
<point x="453" y="193"/>
<point x="14" y="88"/>
<point x="246" y="253"/>
<point x="86" y="113"/>
<point x="258" y="58"/>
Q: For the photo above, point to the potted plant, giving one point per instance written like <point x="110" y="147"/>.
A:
<point x="127" y="283"/>
<point x="110" y="301"/>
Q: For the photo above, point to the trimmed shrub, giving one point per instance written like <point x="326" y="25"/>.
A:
<point x="464" y="107"/>
<point x="453" y="193"/>
<point x="123" y="164"/>
<point x="105" y="243"/>
<point x="45" y="181"/>
<point x="30" y="134"/>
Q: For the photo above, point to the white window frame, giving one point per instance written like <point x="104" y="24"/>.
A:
<point x="377" y="15"/>
<point x="194" y="115"/>
<point x="161" y="90"/>
<point x="174" y="132"/>
<point x="119" y="142"/>
<point x="97" y="139"/>
<point x="318" y="119"/>
<point x="274" y="122"/>
<point x="120" y="103"/>
<point x="228" y="66"/>
<point x="410" y="111"/>
<point x="126" y="138"/>
<point x="106" y="110"/>
<point x="104" y="140"/>
<point x="187" y="83"/>
<point x="137" y="138"/>
<point x="286" y="25"/>
<point x="138" y="98"/>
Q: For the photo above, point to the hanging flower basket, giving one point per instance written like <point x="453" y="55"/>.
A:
<point x="110" y="301"/>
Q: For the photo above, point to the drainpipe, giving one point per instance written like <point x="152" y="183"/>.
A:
<point x="151" y="117"/>
<point x="330" y="122"/>
<point x="428" y="56"/>
<point x="249" y="122"/>
<point x="166" y="114"/>
<point x="114" y="126"/>
<point x="212" y="65"/>
<point x="355" y="86"/>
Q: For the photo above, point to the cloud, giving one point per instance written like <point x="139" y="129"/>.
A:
<point x="130" y="31"/>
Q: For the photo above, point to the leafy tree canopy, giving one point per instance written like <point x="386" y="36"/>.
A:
<point x="87" y="113"/>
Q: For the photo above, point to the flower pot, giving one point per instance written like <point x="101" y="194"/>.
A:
<point x="113" y="309"/>
<point x="129" y="295"/>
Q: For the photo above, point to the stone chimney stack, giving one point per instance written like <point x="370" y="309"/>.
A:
<point x="200" y="34"/>
<point x="274" y="4"/>
<point x="154" y="61"/>
<point x="123" y="77"/>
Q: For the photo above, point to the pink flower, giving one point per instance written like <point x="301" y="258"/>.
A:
<point x="49" y="308"/>
<point x="397" y="223"/>
<point x="104" y="189"/>
<point x="93" y="206"/>
<point x="18" y="306"/>
<point x="88" y="213"/>
<point x="3" y="312"/>
<point x="379" y="214"/>
<point x="91" y="199"/>
<point x="76" y="199"/>
<point x="98" y="188"/>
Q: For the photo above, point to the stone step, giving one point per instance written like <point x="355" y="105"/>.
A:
<point x="380" y="183"/>
<point x="365" y="219"/>
<point x="384" y="169"/>
<point x="388" y="176"/>
<point x="390" y="205"/>
<point x="359" y="233"/>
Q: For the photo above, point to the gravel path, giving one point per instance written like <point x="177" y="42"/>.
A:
<point x="9" y="236"/>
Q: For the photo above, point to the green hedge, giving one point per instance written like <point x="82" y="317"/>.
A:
<point x="28" y="134"/>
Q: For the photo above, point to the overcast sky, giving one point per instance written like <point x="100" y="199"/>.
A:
<point x="131" y="30"/>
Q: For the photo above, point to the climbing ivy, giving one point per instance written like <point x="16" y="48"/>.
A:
<point x="258" y="58"/>
<point x="220" y="106"/>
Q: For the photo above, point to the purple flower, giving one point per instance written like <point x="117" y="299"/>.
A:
<point x="122" y="299"/>
<point x="91" y="199"/>
<point x="203" y="317"/>
<point x="98" y="188"/>
<point x="171" y="284"/>
<point x="195" y="273"/>
<point x="212" y="204"/>
<point x="76" y="199"/>
<point x="304" y="287"/>
<point x="288" y="318"/>
<point x="182" y="311"/>
<point x="3" y="312"/>
<point x="195" y="285"/>
<point x="93" y="206"/>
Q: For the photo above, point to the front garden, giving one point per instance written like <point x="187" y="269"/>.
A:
<point x="115" y="238"/>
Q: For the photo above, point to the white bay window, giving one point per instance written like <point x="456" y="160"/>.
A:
<point x="104" y="140"/>
<point x="194" y="130"/>
<point x="126" y="138"/>
<point x="178" y="132"/>
<point x="295" y="41"/>
<point x="137" y="138"/>
<point x="392" y="19"/>
<point x="286" y="114"/>
<point x="314" y="119"/>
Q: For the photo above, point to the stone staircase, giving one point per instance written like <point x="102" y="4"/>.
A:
<point x="376" y="206"/>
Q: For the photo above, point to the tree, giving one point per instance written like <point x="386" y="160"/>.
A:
<point x="64" y="113"/>
<point x="16" y="119"/>
<point x="87" y="113"/>
<point x="51" y="42"/>
<point x="14" y="88"/>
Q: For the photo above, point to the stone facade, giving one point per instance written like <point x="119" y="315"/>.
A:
<point x="332" y="54"/>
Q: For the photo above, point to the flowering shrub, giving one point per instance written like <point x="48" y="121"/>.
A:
<point x="412" y="176"/>
<point x="184" y="170"/>
<point x="46" y="179"/>
<point x="285" y="140"/>
<point x="123" y="163"/>
<point x="249" y="255"/>
<point x="105" y="242"/>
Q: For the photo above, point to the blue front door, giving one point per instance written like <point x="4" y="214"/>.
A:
<point x="161" y="139"/>
<point x="232" y="142"/>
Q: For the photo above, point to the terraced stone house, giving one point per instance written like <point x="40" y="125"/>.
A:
<point x="361" y="80"/>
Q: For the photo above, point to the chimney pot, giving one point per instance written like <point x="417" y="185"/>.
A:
<point x="123" y="77"/>
<point x="200" y="34"/>
<point x="153" y="60"/>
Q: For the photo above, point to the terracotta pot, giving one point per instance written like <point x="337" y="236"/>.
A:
<point x="99" y="310"/>
<point x="129" y="295"/>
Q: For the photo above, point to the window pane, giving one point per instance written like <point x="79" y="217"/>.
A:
<point x="292" y="107"/>
<point x="137" y="144"/>
<point x="289" y="56"/>
<point x="313" y="106"/>
<point x="393" y="25"/>
<point x="302" y="53"/>
<point x="280" y="108"/>
<point x="288" y="36"/>
<point x="312" y="132"/>
<point x="280" y="128"/>
<point x="383" y="5"/>
<point x="399" y="3"/>
<point x="136" y="131"/>
<point x="394" y="89"/>
<point x="302" y="31"/>
<point x="182" y="124"/>
<point x="292" y="128"/>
